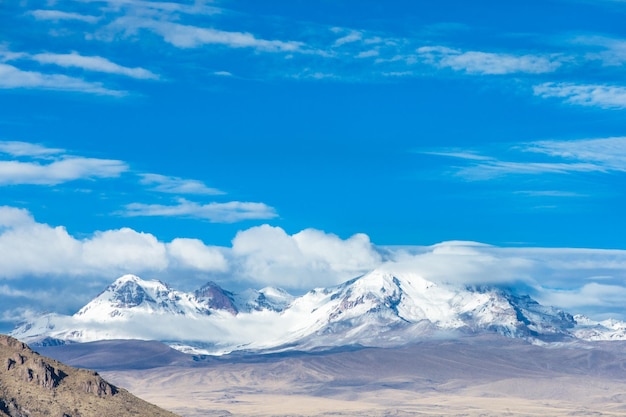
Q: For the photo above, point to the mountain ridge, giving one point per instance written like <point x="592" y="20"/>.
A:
<point x="385" y="307"/>
<point x="33" y="385"/>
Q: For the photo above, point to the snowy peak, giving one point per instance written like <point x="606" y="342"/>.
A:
<point x="389" y="306"/>
<point x="131" y="291"/>
<point x="130" y="295"/>
<point x="269" y="298"/>
<point x="404" y="298"/>
<point x="588" y="329"/>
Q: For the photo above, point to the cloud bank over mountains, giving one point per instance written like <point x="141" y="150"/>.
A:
<point x="589" y="281"/>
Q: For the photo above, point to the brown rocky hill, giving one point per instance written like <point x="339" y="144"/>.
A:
<point x="32" y="385"/>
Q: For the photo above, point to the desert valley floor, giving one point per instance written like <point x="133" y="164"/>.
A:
<point x="478" y="376"/>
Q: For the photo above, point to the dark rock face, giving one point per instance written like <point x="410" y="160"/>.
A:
<point x="216" y="298"/>
<point x="41" y="373"/>
<point x="130" y="294"/>
<point x="98" y="386"/>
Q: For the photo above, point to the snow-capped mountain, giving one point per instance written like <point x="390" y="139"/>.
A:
<point x="389" y="306"/>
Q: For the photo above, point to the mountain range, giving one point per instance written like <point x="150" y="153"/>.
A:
<point x="389" y="306"/>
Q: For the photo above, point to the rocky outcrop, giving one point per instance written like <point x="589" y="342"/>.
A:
<point x="32" y="385"/>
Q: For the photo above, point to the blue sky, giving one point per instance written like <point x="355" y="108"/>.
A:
<point x="183" y="126"/>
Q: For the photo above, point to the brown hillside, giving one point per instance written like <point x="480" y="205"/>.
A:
<point x="33" y="385"/>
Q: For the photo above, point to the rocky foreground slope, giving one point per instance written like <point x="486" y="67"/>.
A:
<point x="32" y="385"/>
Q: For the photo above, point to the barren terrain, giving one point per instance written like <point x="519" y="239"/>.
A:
<point x="471" y="377"/>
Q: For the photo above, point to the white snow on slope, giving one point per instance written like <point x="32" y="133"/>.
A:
<point x="388" y="306"/>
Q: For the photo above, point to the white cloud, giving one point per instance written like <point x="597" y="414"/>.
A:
<point x="495" y="168"/>
<point x="12" y="77"/>
<point x="194" y="254"/>
<point x="590" y="297"/>
<point x="588" y="281"/>
<point x="57" y="172"/>
<point x="602" y="155"/>
<point x="607" y="154"/>
<point x="610" y="51"/>
<point x="58" y="15"/>
<point x="368" y="54"/>
<point x="467" y="263"/>
<point x="16" y="148"/>
<point x="30" y="248"/>
<point x="142" y="7"/>
<point x="93" y="63"/>
<point x="51" y="166"/>
<point x="353" y="36"/>
<point x="310" y="258"/>
<point x="185" y="36"/>
<point x="176" y="185"/>
<point x="476" y="62"/>
<point x="124" y="249"/>
<point x="593" y="95"/>
<point x="230" y="212"/>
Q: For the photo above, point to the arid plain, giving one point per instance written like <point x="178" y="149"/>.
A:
<point x="478" y="376"/>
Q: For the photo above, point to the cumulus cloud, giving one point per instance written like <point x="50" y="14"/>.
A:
<point x="592" y="95"/>
<point x="30" y="248"/>
<point x="193" y="254"/>
<point x="230" y="212"/>
<point x="465" y="263"/>
<point x="588" y="281"/>
<point x="477" y="62"/>
<point x="93" y="63"/>
<point x="124" y="249"/>
<point x="12" y="77"/>
<point x="309" y="258"/>
<point x="176" y="185"/>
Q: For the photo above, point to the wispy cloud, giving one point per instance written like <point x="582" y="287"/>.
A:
<point x="601" y="155"/>
<point x="57" y="172"/>
<point x="12" y="77"/>
<point x="494" y="168"/>
<point x="176" y="185"/>
<point x="229" y="212"/>
<point x="477" y="62"/>
<point x="40" y="165"/>
<point x="93" y="63"/>
<point x="607" y="154"/>
<point x="551" y="193"/>
<point x="594" y="95"/>
<point x="16" y="148"/>
<point x="187" y="36"/>
<point x="149" y="7"/>
<point x="59" y="15"/>
<point x="353" y="36"/>
<point x="610" y="51"/>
